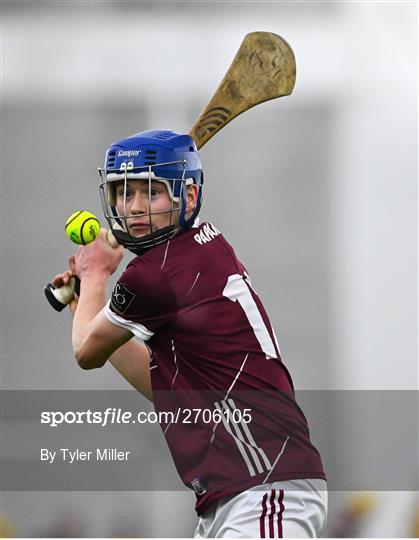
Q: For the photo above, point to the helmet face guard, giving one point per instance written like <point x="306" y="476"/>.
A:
<point x="141" y="158"/>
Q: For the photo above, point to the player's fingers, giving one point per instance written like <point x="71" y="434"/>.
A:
<point x="62" y="279"/>
<point x="96" y="256"/>
<point x="115" y="252"/>
<point x="102" y="234"/>
<point x="109" y="239"/>
<point x="102" y="237"/>
<point x="72" y="264"/>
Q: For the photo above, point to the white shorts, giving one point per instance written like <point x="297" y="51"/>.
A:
<point x="289" y="509"/>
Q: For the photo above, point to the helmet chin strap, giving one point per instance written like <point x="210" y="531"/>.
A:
<point x="139" y="246"/>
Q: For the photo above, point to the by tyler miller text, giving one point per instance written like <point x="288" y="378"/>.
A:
<point x="75" y="455"/>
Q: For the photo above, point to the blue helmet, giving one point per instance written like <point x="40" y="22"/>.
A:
<point x="154" y="155"/>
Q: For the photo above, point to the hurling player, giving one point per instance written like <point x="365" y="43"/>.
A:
<point x="205" y="342"/>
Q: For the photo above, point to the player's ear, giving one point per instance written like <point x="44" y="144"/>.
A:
<point x="191" y="197"/>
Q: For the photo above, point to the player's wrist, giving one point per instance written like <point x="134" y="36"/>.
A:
<point x="95" y="276"/>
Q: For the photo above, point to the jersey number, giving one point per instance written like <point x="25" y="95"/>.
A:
<point x="237" y="290"/>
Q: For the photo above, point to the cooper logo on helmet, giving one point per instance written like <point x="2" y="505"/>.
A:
<point x="128" y="153"/>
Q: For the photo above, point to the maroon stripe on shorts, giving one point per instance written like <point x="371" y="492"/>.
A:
<point x="281" y="510"/>
<point x="271" y="515"/>
<point x="262" y="516"/>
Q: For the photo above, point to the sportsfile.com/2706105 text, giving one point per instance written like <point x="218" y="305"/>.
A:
<point x="113" y="415"/>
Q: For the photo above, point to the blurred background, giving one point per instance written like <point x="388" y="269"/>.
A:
<point x="317" y="192"/>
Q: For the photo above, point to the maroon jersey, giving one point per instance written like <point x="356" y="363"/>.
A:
<point x="232" y="422"/>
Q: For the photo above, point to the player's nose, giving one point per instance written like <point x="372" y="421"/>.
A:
<point x="139" y="203"/>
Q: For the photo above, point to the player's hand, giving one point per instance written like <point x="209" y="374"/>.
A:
<point x="96" y="259"/>
<point x="69" y="296"/>
<point x="62" y="279"/>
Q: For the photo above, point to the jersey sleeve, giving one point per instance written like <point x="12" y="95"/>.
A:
<point x="142" y="300"/>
